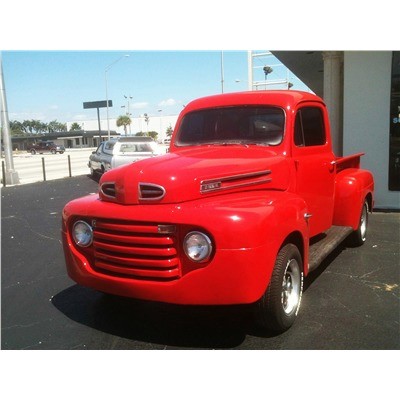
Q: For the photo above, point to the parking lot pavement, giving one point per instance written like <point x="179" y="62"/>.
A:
<point x="350" y="302"/>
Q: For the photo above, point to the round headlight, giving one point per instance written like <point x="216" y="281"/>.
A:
<point x="197" y="246"/>
<point x="82" y="234"/>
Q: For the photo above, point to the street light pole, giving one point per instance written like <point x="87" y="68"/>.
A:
<point x="160" y="111"/>
<point x="105" y="75"/>
<point x="222" y="71"/>
<point x="11" y="176"/>
<point x="128" y="112"/>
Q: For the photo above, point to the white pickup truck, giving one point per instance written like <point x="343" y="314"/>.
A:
<point x="116" y="152"/>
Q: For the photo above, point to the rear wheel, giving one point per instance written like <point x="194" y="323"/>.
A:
<point x="278" y="308"/>
<point x="33" y="151"/>
<point x="358" y="237"/>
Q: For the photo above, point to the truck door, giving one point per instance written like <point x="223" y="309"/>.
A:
<point x="314" y="165"/>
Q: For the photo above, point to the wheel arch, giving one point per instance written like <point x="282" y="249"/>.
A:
<point x="297" y="239"/>
<point x="353" y="186"/>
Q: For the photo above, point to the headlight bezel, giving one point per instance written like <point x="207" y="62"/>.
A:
<point x="207" y="242"/>
<point x="80" y="243"/>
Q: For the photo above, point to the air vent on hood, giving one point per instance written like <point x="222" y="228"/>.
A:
<point x="108" y="189"/>
<point x="150" y="191"/>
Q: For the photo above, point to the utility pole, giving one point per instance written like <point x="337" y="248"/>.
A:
<point x="11" y="175"/>
<point x="250" y="69"/>
<point x="222" y="71"/>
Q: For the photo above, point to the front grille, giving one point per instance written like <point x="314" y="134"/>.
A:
<point x="135" y="250"/>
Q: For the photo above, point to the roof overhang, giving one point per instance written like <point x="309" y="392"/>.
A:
<point x="308" y="66"/>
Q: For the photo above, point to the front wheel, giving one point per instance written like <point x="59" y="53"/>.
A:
<point x="278" y="307"/>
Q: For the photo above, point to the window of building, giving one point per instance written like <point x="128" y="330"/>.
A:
<point x="394" y="143"/>
<point x="309" y="127"/>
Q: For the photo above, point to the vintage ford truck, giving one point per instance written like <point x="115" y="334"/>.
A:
<point x="248" y="201"/>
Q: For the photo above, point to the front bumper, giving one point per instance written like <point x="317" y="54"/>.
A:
<point x="238" y="272"/>
<point x="232" y="277"/>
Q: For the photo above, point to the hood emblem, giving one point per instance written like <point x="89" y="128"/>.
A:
<point x="151" y="191"/>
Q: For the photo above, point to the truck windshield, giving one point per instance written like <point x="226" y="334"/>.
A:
<point x="231" y="125"/>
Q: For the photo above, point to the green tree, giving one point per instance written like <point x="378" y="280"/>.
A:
<point x="75" y="127"/>
<point x="147" y="120"/>
<point x="169" y="131"/>
<point x="152" y="134"/>
<point x="124" y="120"/>
<point x="55" y="126"/>
<point x="17" y="128"/>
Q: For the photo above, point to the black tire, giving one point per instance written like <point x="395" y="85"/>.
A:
<point x="33" y="152"/>
<point x="278" y="308"/>
<point x="61" y="152"/>
<point x="358" y="237"/>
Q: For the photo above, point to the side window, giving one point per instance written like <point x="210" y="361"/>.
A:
<point x="108" y="147"/>
<point x="100" y="149"/>
<point x="309" y="127"/>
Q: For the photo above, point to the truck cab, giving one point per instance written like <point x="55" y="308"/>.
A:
<point x="249" y="199"/>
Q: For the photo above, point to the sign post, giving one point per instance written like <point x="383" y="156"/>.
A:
<point x="98" y="105"/>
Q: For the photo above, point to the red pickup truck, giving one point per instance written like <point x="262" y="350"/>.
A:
<point x="248" y="201"/>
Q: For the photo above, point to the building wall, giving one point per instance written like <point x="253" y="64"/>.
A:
<point x="366" y="117"/>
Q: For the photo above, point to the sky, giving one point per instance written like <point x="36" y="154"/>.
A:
<point x="52" y="85"/>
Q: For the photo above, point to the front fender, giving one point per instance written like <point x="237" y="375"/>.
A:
<point x="247" y="229"/>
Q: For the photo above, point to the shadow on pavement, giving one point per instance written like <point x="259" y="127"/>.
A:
<point x="198" y="327"/>
<point x="205" y="327"/>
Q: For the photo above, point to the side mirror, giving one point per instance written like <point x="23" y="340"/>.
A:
<point x="93" y="152"/>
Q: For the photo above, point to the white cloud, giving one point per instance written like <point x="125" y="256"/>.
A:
<point x="21" y="116"/>
<point x="79" y="117"/>
<point x="167" y="103"/>
<point x="139" y="105"/>
<point x="54" y="107"/>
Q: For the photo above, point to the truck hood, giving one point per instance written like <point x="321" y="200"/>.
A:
<point x="196" y="173"/>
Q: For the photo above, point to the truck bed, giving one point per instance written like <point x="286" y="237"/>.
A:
<point x="352" y="161"/>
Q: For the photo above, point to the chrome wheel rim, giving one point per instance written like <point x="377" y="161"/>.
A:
<point x="291" y="287"/>
<point x="363" y="223"/>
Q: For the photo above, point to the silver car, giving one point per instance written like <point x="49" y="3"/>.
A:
<point x="116" y="152"/>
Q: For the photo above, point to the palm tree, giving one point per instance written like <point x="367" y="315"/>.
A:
<point x="124" y="120"/>
<point x="75" y="127"/>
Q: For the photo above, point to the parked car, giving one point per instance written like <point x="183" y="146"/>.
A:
<point x="46" y="146"/>
<point x="116" y="152"/>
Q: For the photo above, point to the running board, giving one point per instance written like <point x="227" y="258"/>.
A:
<point x="323" y="244"/>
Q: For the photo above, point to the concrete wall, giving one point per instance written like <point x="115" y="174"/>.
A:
<point x="366" y="117"/>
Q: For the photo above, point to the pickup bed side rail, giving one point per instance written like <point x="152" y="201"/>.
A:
<point x="352" y="161"/>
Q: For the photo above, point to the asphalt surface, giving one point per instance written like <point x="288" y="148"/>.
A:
<point x="352" y="301"/>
